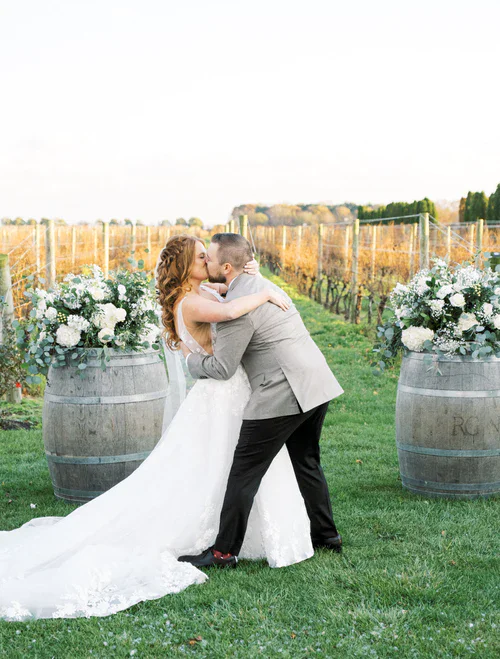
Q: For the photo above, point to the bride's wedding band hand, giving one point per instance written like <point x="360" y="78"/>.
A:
<point x="279" y="300"/>
<point x="252" y="267"/>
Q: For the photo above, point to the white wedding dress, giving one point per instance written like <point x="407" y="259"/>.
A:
<point x="121" y="548"/>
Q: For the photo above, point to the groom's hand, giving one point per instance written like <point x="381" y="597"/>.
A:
<point x="185" y="350"/>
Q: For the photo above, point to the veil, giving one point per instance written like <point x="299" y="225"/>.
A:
<point x="176" y="391"/>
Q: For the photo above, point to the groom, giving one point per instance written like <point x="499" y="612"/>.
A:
<point x="291" y="388"/>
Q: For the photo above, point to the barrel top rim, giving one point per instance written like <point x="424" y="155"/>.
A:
<point x="116" y="352"/>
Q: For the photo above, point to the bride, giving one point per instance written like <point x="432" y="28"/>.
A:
<point x="122" y="547"/>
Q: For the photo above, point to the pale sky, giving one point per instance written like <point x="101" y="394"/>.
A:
<point x="153" y="109"/>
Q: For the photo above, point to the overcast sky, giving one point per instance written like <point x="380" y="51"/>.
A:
<point x="153" y="109"/>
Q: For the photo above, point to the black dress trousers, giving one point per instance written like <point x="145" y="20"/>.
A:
<point x="258" y="444"/>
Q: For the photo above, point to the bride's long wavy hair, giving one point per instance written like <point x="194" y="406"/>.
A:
<point x="173" y="270"/>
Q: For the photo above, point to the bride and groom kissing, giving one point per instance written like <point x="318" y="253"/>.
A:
<point x="236" y="474"/>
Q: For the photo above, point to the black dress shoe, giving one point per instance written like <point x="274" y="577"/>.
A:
<point x="334" y="544"/>
<point x="207" y="559"/>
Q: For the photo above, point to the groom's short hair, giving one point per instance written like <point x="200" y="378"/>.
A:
<point x="233" y="249"/>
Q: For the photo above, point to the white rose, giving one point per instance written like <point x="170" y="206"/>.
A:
<point x="107" y="332"/>
<point x="67" y="336"/>
<point x="444" y="291"/>
<point x="436" y="307"/>
<point x="457" y="300"/>
<point x="96" y="293"/>
<point x="487" y="309"/>
<point x="51" y="313"/>
<point x="119" y="342"/>
<point x="415" y="337"/>
<point x="497" y="290"/>
<point x="496" y="321"/>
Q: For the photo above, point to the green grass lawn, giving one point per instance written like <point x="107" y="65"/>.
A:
<point x="418" y="578"/>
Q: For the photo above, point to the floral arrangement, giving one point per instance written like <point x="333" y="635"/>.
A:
<point x="88" y="311"/>
<point x="445" y="311"/>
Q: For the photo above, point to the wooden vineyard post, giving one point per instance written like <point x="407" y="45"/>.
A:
<point x="424" y="240"/>
<point x="479" y="243"/>
<point x="148" y="246"/>
<point x="319" y="274"/>
<point x="283" y="247"/>
<point x="50" y="253"/>
<point x="105" y="241"/>
<point x="472" y="228"/>
<point x="298" y="253"/>
<point x="232" y="226"/>
<point x="373" y="231"/>
<point x="73" y="246"/>
<point x="354" y="271"/>
<point x="37" y="239"/>
<point x="94" y="232"/>
<point x="244" y="226"/>
<point x="133" y="238"/>
<point x="346" y="250"/>
<point x="448" y="244"/>
<point x="13" y="395"/>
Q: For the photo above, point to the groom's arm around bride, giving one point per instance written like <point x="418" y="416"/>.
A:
<point x="291" y="386"/>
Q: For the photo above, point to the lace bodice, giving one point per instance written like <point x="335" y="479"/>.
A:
<point x="183" y="331"/>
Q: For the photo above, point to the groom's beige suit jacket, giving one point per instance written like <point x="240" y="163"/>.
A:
<point x="287" y="372"/>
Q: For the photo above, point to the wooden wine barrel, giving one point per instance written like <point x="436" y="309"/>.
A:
<point x="448" y="426"/>
<point x="98" y="429"/>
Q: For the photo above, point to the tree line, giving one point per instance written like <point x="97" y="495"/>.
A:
<point x="476" y="205"/>
<point x="399" y="209"/>
<point x="295" y="214"/>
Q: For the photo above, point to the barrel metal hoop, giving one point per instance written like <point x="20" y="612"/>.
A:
<point x="449" y="393"/>
<point x="77" y="493"/>
<point x="448" y="453"/>
<point x="104" y="400"/>
<point x="420" y="356"/>
<point x="96" y="459"/>
<point x="458" y="487"/>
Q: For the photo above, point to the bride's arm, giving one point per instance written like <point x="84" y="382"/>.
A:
<point x="202" y="310"/>
<point x="220" y="288"/>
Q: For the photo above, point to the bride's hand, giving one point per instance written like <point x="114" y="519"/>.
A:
<point x="252" y="267"/>
<point x="279" y="300"/>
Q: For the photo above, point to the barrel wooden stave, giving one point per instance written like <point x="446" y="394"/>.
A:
<point x="96" y="429"/>
<point x="448" y="435"/>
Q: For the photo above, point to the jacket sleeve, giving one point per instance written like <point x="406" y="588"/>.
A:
<point x="232" y="340"/>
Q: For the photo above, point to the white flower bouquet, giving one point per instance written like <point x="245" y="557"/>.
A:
<point x="88" y="311"/>
<point x="445" y="311"/>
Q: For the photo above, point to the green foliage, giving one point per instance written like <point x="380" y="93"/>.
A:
<point x="195" y="222"/>
<point x="469" y="329"/>
<point x="398" y="209"/>
<point x="476" y="205"/>
<point x="12" y="373"/>
<point x="180" y="221"/>
<point x="493" y="212"/>
<point x="126" y="320"/>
